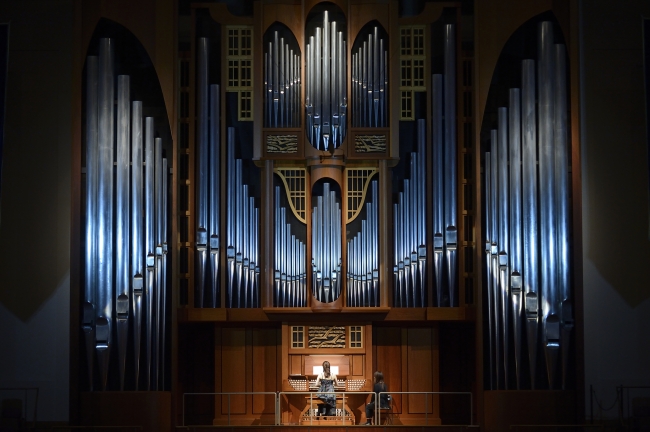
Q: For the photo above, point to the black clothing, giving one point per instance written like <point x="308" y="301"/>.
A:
<point x="383" y="400"/>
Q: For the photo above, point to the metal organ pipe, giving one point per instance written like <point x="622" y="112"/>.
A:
<point x="363" y="257"/>
<point x="437" y="134"/>
<point x="215" y="192"/>
<point x="137" y="250"/>
<point x="149" y="241"/>
<point x="451" y="233"/>
<point x="122" y="228"/>
<point x="326" y="106"/>
<point x="529" y="212"/>
<point x="119" y="235"/>
<point x="203" y="175"/>
<point x="410" y="217"/>
<point x="537" y="146"/>
<point x="514" y="148"/>
<point x="368" y="79"/>
<point x="92" y="180"/>
<point x="326" y="221"/>
<point x="242" y="234"/>
<point x="105" y="144"/>
<point x="547" y="204"/>
<point x="502" y="205"/>
<point x="562" y="200"/>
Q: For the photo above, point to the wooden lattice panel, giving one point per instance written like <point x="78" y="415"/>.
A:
<point x="295" y="185"/>
<point x="358" y="180"/>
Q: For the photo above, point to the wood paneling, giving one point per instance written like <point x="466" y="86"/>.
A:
<point x="295" y="364"/>
<point x="233" y="369"/>
<point x="264" y="369"/>
<point x="388" y="342"/>
<point x="357" y="364"/>
<point x="419" y="372"/>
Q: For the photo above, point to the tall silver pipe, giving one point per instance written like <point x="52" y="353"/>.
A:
<point x="203" y="160"/>
<point x="451" y="234"/>
<point x="503" y="235"/>
<point x="122" y="228"/>
<point x="562" y="202"/>
<point x="92" y="181"/>
<point x="382" y="89"/>
<point x="276" y="82"/>
<point x="488" y="261"/>
<point x="515" y="241"/>
<point x="149" y="241"/>
<point x="245" y="228"/>
<point x="230" y="184"/>
<point x="238" y="227"/>
<point x="105" y="143"/>
<point x="421" y="211"/>
<point x="158" y="222"/>
<point x="317" y="88"/>
<point x="137" y="250"/>
<point x="437" y="144"/>
<point x="529" y="212"/>
<point x="282" y="83"/>
<point x="277" y="251"/>
<point x="547" y="207"/>
<point x="326" y="84"/>
<point x="494" y="255"/>
<point x="215" y="188"/>
<point x="163" y="271"/>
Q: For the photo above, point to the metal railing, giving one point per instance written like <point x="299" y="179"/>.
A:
<point x="229" y="394"/>
<point x="24" y="391"/>
<point x="312" y="394"/>
<point x="556" y="427"/>
<point x="426" y="403"/>
<point x="277" y="400"/>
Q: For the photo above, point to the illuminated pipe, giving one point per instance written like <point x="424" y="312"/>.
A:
<point x="92" y="180"/>
<point x="515" y="242"/>
<point x="158" y="215"/>
<point x="529" y="213"/>
<point x="149" y="241"/>
<point x="421" y="211"/>
<point x="276" y="82"/>
<point x="413" y="241"/>
<point x="494" y="256"/>
<point x="437" y="132"/>
<point x="317" y="89"/>
<point x="276" y="249"/>
<point x="488" y="260"/>
<point x="238" y="227"/>
<point x="503" y="236"/>
<point x="163" y="291"/>
<point x="451" y="234"/>
<point x="547" y="206"/>
<point x="230" y="231"/>
<point x="105" y="142"/>
<point x="246" y="227"/>
<point x="203" y="175"/>
<point x="215" y="188"/>
<point x="562" y="202"/>
<point x="283" y="272"/>
<point x="122" y="226"/>
<point x="137" y="252"/>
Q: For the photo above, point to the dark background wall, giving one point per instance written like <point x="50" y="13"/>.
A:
<point x="36" y="180"/>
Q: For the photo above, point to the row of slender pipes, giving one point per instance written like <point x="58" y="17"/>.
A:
<point x="326" y="246"/>
<point x="527" y="222"/>
<point x="208" y="183"/>
<point x="125" y="230"/>
<point x="409" y="222"/>
<point x="363" y="257"/>
<point x="370" y="83"/>
<point x="290" y="275"/>
<point x="325" y="95"/>
<point x="282" y="84"/>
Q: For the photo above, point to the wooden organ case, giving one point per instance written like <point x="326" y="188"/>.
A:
<point x="307" y="230"/>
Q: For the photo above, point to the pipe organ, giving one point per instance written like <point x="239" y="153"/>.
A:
<point x="326" y="88"/>
<point x="329" y="185"/>
<point x="125" y="291"/>
<point x="527" y="223"/>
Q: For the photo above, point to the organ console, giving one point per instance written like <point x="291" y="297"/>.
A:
<point x="301" y="408"/>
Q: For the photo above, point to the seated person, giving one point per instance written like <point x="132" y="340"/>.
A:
<point x="325" y="383"/>
<point x="379" y="386"/>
